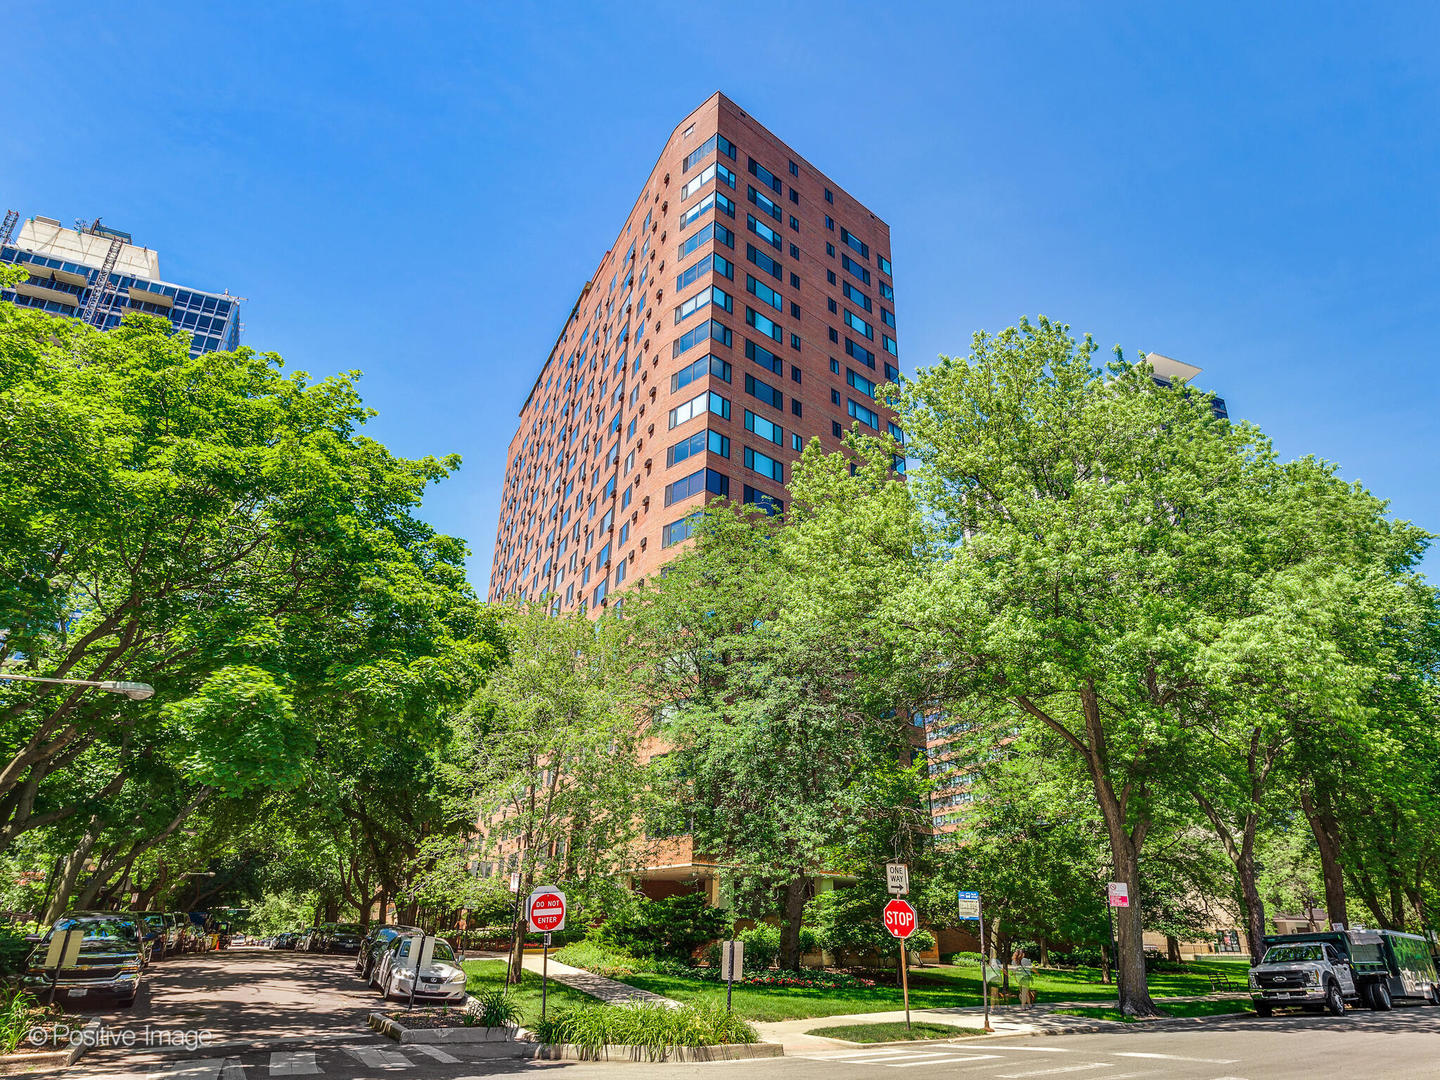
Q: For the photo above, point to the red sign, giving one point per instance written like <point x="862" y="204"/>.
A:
<point x="900" y="918"/>
<point x="547" y="910"/>
<point x="1118" y="894"/>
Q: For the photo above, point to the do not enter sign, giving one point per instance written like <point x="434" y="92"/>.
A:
<point x="547" y="909"/>
<point x="900" y="919"/>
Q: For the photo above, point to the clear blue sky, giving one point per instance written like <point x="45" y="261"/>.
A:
<point x="420" y="194"/>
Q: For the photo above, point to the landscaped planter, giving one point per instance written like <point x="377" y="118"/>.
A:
<point x="400" y="1031"/>
<point x="723" y="1052"/>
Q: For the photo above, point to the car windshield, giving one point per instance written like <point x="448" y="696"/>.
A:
<point x="97" y="929"/>
<point x="443" y="953"/>
<point x="1293" y="954"/>
<point x="347" y="928"/>
<point x="154" y="921"/>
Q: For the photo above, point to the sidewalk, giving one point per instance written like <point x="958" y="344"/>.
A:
<point x="1005" y="1019"/>
<point x="607" y="990"/>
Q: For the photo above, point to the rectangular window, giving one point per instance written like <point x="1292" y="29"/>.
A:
<point x="855" y="268"/>
<point x="864" y="415"/>
<point x="697" y="406"/>
<point x="764" y="203"/>
<point x="758" y="388"/>
<point x="690" y="274"/>
<point x="701" y="440"/>
<point x="765" y="465"/>
<point x="885" y="266"/>
<point x="708" y="147"/>
<point x="887" y="317"/>
<point x="794" y="252"/>
<point x="698" y="481"/>
<point x="760" y="229"/>
<point x="889" y="344"/>
<point x="619" y="576"/>
<point x="829" y="195"/>
<point x="711" y="365"/>
<point x="718" y="232"/>
<point x="886" y="291"/>
<point x="678" y="531"/>
<point x="713" y="295"/>
<point x="762" y="260"/>
<point x="718" y="331"/>
<point x="764" y="324"/>
<point x="714" y="199"/>
<point x="769" y="503"/>
<point x="859" y="382"/>
<point x="892" y="373"/>
<point x="764" y="428"/>
<point x="796" y="443"/>
<point x="853" y="321"/>
<point x="896" y="433"/>
<point x="863" y="250"/>
<point x="698" y="182"/>
<point x="764" y="357"/>
<point x="855" y="296"/>
<point x="794" y="373"/>
<point x="829" y="223"/>
<point x="859" y="352"/>
<point x="765" y="176"/>
<point x="764" y="292"/>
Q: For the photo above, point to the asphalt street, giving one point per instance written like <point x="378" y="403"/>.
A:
<point x="283" y="1015"/>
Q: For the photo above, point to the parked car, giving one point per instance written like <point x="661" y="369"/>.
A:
<point x="344" y="938"/>
<point x="374" y="944"/>
<point x="1331" y="969"/>
<point x="286" y="940"/>
<point x="154" y="932"/>
<point x="108" y="968"/>
<point x="442" y="980"/>
<point x="177" y="938"/>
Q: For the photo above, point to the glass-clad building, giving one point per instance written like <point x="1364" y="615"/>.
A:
<point x="64" y="265"/>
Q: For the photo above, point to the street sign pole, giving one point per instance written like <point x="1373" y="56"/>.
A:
<point x="984" y="965"/>
<point x="905" y="983"/>
<point x="544" y="976"/>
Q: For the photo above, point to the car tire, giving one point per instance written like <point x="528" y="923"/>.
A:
<point x="1380" y="1000"/>
<point x="1334" y="1000"/>
<point x="1264" y="1008"/>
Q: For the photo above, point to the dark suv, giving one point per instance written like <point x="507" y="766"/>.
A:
<point x="107" y="969"/>
<point x="343" y="938"/>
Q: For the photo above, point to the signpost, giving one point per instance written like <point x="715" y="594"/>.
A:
<point x="732" y="964"/>
<point x="546" y="909"/>
<point x="62" y="952"/>
<point x="1117" y="894"/>
<point x="897" y="879"/>
<point x="900" y="920"/>
<point x="969" y="908"/>
<point x="422" y="952"/>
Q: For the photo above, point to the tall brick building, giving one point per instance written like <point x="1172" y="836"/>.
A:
<point x="745" y="307"/>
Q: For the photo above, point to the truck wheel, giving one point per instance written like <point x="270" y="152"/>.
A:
<point x="1380" y="997"/>
<point x="1334" y="1001"/>
<point x="1264" y="1008"/>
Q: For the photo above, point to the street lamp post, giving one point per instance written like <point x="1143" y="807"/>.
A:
<point x="135" y="691"/>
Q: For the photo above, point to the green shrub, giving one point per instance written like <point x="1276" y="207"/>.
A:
<point x="599" y="958"/>
<point x="762" y="946"/>
<point x="18" y="1012"/>
<point x="674" y="927"/>
<point x="651" y="1026"/>
<point x="493" y="1008"/>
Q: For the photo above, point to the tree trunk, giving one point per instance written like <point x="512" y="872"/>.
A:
<point x="795" y="891"/>
<point x="1327" y="839"/>
<point x="1172" y="948"/>
<point x="1044" y="952"/>
<point x="74" y="865"/>
<point x="1242" y="857"/>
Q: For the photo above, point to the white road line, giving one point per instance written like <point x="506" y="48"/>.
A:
<point x="1177" y="1057"/>
<point x="1034" y="1049"/>
<point x="382" y="1059"/>
<point x="855" y="1055"/>
<point x="204" y="1069"/>
<point x="940" y="1061"/>
<point x="435" y="1052"/>
<point x="1061" y="1069"/>
<point x="293" y="1063"/>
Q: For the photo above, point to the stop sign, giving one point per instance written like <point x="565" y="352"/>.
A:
<point x="547" y="909"/>
<point x="900" y="918"/>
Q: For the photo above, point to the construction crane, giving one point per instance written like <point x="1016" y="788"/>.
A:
<point x="7" y="231"/>
<point x="100" y="288"/>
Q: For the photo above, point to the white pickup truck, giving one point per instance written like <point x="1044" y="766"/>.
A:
<point x="1332" y="969"/>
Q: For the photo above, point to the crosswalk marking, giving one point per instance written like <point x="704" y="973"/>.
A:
<point x="381" y="1059"/>
<point x="435" y="1052"/>
<point x="203" y="1069"/>
<point x="1058" y="1071"/>
<point x="1177" y="1057"/>
<point x="293" y="1063"/>
<point x="942" y="1061"/>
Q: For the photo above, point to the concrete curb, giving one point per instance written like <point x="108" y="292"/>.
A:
<point x="621" y="1052"/>
<point x="386" y="1025"/>
<point x="87" y="1038"/>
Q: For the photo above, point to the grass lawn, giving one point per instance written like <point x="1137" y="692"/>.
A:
<point x="1176" y="1008"/>
<point x="934" y="987"/>
<point x="482" y="975"/>
<point x="893" y="1032"/>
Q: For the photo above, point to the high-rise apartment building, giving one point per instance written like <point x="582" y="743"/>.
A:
<point x="746" y="307"/>
<point x="100" y="273"/>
